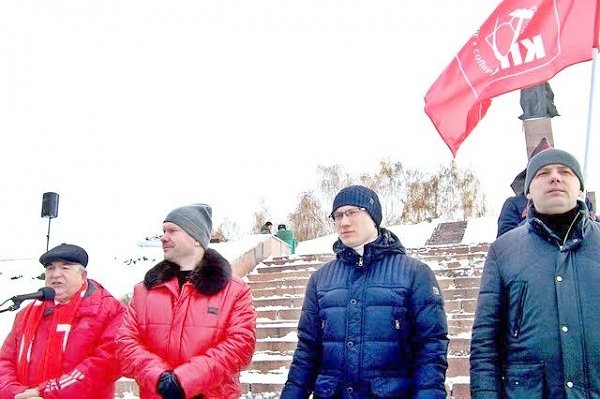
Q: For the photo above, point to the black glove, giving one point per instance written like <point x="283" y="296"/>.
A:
<point x="168" y="386"/>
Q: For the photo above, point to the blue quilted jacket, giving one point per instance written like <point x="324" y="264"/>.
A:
<point x="372" y="326"/>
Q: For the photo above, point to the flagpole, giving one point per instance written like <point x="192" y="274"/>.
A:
<point x="590" y="116"/>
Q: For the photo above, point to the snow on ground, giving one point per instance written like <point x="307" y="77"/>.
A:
<point x="481" y="230"/>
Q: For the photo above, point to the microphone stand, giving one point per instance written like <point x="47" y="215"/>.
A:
<point x="16" y="305"/>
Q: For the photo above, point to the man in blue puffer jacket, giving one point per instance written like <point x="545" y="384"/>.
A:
<point x="373" y="322"/>
<point x="536" y="327"/>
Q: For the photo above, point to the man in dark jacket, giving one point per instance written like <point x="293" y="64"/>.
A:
<point x="535" y="333"/>
<point x="514" y="209"/>
<point x="373" y="321"/>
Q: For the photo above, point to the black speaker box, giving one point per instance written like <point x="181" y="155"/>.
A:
<point x="50" y="205"/>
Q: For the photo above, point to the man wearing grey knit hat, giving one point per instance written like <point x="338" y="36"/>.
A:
<point x="191" y="319"/>
<point x="538" y="310"/>
<point x="373" y="321"/>
<point x="196" y="220"/>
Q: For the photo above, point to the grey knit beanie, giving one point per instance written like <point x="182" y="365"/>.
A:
<point x="549" y="157"/>
<point x="362" y="197"/>
<point x="196" y="220"/>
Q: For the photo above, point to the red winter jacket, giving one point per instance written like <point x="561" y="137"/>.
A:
<point x="206" y="333"/>
<point x="90" y="367"/>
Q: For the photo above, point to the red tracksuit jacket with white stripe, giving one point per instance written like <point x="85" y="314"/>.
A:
<point x="89" y="364"/>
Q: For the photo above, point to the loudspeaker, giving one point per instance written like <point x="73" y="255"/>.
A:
<point x="50" y="205"/>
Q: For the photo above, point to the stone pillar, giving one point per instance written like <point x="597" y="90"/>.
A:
<point x="535" y="130"/>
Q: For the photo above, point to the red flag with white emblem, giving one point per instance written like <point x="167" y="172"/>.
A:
<point x="521" y="44"/>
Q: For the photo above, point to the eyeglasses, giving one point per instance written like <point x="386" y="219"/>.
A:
<point x="337" y="217"/>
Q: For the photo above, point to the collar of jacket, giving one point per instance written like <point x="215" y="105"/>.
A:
<point x="574" y="236"/>
<point x="91" y="288"/>
<point x="208" y="277"/>
<point x="386" y="243"/>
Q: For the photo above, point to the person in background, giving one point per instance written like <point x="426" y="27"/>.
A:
<point x="287" y="236"/>
<point x="535" y="333"/>
<point x="266" y="228"/>
<point x="191" y="325"/>
<point x="373" y="321"/>
<point x="64" y="348"/>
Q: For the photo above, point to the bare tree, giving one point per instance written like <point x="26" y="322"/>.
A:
<point x="407" y="196"/>
<point x="309" y="220"/>
<point x="228" y="230"/>
<point x="390" y="185"/>
<point x="331" y="180"/>
<point x="420" y="198"/>
<point x="460" y="195"/>
<point x="260" y="217"/>
<point x="450" y="194"/>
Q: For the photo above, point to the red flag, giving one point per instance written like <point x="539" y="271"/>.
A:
<point x="597" y="30"/>
<point x="523" y="43"/>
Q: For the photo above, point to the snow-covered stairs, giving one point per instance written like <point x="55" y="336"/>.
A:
<point x="278" y="288"/>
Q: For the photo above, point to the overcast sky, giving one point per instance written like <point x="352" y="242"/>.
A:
<point x="128" y="109"/>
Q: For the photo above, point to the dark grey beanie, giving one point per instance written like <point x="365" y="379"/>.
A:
<point x="362" y="197"/>
<point x="549" y="157"/>
<point x="196" y="220"/>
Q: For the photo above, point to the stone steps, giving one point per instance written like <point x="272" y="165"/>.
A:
<point x="302" y="271"/>
<point x="448" y="233"/>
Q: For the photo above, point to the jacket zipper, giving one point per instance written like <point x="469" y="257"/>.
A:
<point x="521" y="304"/>
<point x="569" y="231"/>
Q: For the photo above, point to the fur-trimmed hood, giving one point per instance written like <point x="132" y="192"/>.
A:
<point x="208" y="277"/>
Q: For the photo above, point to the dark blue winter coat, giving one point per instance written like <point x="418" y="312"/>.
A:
<point x="512" y="214"/>
<point x="372" y="326"/>
<point x="537" y="328"/>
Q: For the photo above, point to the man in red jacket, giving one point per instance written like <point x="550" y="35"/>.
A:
<point x="64" y="348"/>
<point x="191" y="326"/>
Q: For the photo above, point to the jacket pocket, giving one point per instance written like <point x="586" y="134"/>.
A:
<point x="401" y="326"/>
<point x="326" y="386"/>
<point x="517" y="290"/>
<point x="389" y="387"/>
<point x="524" y="381"/>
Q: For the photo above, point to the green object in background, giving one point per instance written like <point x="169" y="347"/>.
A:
<point x="287" y="236"/>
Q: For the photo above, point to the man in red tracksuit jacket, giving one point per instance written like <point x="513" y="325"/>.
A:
<point x="64" y="348"/>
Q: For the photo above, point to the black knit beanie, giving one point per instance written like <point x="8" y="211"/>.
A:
<point x="362" y="197"/>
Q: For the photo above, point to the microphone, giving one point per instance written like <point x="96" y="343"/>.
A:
<point x="44" y="293"/>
